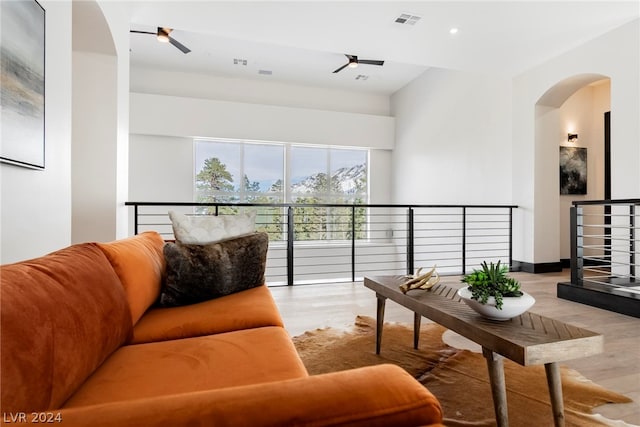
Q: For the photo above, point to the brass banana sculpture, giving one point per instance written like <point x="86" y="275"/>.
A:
<point x="417" y="281"/>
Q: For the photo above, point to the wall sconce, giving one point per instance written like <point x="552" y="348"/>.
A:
<point x="572" y="137"/>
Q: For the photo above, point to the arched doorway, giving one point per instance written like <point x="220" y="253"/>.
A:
<point x="576" y="106"/>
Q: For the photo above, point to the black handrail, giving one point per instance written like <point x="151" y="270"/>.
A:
<point x="314" y="205"/>
<point x="606" y="202"/>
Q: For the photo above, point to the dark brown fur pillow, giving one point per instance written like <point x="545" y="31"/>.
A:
<point x="197" y="273"/>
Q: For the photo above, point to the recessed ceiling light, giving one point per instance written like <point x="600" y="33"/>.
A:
<point x="453" y="30"/>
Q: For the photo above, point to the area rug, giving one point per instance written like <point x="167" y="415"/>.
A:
<point x="458" y="378"/>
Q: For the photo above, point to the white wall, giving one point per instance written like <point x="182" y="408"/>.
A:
<point x="193" y="117"/>
<point x="380" y="173"/>
<point x="161" y="169"/>
<point x="453" y="139"/>
<point x="36" y="205"/>
<point x="548" y="134"/>
<point x="94" y="147"/>
<point x="615" y="55"/>
<point x="247" y="91"/>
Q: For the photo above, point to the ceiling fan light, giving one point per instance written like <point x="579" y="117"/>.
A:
<point x="353" y="64"/>
<point x="163" y="35"/>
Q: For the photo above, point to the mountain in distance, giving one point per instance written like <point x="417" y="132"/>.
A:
<point x="352" y="179"/>
<point x="348" y="180"/>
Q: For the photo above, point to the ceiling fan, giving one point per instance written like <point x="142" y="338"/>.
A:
<point x="163" y="36"/>
<point x="354" y="61"/>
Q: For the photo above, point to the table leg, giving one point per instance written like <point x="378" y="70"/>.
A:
<point x="379" y="321"/>
<point x="416" y="329"/>
<point x="498" y="388"/>
<point x="555" y="392"/>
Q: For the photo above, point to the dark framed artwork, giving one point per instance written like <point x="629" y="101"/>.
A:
<point x="22" y="53"/>
<point x="573" y="170"/>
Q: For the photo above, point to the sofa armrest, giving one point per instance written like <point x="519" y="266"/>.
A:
<point x="383" y="395"/>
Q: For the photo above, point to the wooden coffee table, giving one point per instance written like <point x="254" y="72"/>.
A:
<point x="529" y="339"/>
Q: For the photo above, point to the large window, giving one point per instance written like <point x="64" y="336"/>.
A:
<point x="240" y="171"/>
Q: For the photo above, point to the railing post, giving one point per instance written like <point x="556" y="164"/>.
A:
<point x="135" y="219"/>
<point x="510" y="238"/>
<point x="632" y="243"/>
<point x="290" y="231"/>
<point x="353" y="243"/>
<point x="464" y="240"/>
<point x="608" y="254"/>
<point x="410" y="243"/>
<point x="577" y="242"/>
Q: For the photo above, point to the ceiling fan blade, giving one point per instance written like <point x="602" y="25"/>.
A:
<point x="370" y="62"/>
<point x="341" y="68"/>
<point x="179" y="45"/>
<point x="142" y="32"/>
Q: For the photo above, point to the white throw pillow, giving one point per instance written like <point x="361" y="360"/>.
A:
<point x="204" y="229"/>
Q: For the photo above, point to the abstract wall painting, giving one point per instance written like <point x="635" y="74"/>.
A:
<point x="573" y="170"/>
<point x="22" y="53"/>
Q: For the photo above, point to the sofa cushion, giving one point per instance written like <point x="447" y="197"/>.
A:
<point x="139" y="263"/>
<point x="232" y="359"/>
<point x="197" y="273"/>
<point x="62" y="315"/>
<point x="252" y="308"/>
<point x="373" y="396"/>
<point x="204" y="229"/>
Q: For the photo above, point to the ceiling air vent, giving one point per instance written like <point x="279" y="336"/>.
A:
<point x="407" y="18"/>
<point x="265" y="72"/>
<point x="237" y="61"/>
<point x="361" y="77"/>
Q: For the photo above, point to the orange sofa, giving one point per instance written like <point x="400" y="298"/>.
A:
<point x="83" y="345"/>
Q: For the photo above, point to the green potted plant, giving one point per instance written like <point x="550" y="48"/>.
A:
<point x="493" y="294"/>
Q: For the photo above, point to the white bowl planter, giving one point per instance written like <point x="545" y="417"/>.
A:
<point x="511" y="306"/>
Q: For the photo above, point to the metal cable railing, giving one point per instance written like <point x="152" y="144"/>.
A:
<point x="603" y="242"/>
<point x="310" y="243"/>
